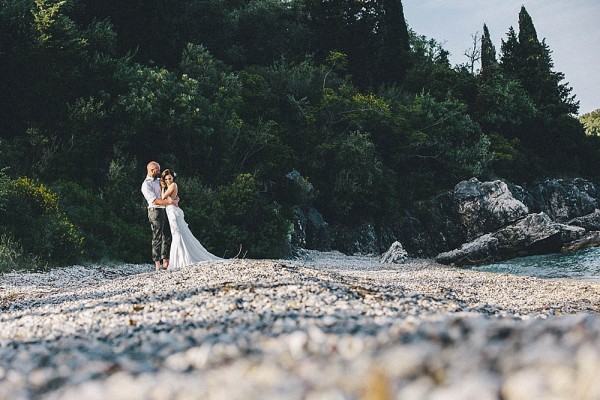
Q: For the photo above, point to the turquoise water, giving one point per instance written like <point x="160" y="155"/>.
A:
<point x="580" y="265"/>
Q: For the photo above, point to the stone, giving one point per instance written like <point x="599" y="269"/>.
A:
<point x="420" y="331"/>
<point x="591" y="239"/>
<point x="563" y="200"/>
<point x="482" y="250"/>
<point x="484" y="207"/>
<point x="395" y="254"/>
<point x="318" y="232"/>
<point x="590" y="222"/>
<point x="534" y="234"/>
<point x="360" y="239"/>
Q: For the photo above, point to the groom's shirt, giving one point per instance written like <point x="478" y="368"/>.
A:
<point x="151" y="191"/>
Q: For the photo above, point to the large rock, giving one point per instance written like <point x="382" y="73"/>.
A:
<point x="318" y="232"/>
<point x="482" y="250"/>
<point x="484" y="207"/>
<point x="431" y="227"/>
<point x="395" y="254"/>
<point x="457" y="218"/>
<point x="311" y="231"/>
<point x="591" y="222"/>
<point x="534" y="234"/>
<point x="591" y="239"/>
<point x="563" y="200"/>
<point x="359" y="239"/>
<point x="446" y="221"/>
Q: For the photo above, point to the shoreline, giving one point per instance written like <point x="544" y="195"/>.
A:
<point x="269" y="329"/>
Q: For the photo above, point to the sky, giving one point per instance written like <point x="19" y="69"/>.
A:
<point x="571" y="29"/>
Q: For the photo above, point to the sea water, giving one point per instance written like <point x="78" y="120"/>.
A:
<point x="580" y="265"/>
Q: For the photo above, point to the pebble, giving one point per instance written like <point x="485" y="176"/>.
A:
<point x="325" y="327"/>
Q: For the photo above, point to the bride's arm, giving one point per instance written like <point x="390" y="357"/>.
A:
<point x="171" y="191"/>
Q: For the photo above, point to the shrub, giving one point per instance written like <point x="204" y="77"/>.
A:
<point x="4" y="189"/>
<point x="108" y="236"/>
<point x="13" y="257"/>
<point x="251" y="221"/>
<point x="357" y="177"/>
<point x="35" y="219"/>
<point x="203" y="213"/>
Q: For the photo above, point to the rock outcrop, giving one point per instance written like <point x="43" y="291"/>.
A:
<point x="590" y="222"/>
<point x="561" y="214"/>
<point x="534" y="234"/>
<point x="563" y="200"/>
<point x="395" y="254"/>
<point x="475" y="222"/>
<point x="591" y="239"/>
<point x="486" y="206"/>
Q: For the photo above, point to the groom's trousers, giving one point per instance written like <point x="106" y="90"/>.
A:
<point x="161" y="233"/>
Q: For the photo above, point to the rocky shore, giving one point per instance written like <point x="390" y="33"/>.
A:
<point x="326" y="327"/>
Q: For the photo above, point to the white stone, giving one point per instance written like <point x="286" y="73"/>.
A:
<point x="395" y="254"/>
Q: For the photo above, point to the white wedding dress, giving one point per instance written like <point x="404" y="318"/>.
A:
<point x="185" y="248"/>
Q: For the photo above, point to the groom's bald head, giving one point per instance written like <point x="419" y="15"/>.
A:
<point x="153" y="169"/>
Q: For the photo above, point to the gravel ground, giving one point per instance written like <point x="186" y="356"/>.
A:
<point x="326" y="327"/>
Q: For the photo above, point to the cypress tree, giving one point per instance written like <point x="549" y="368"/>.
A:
<point x="510" y="53"/>
<point x="395" y="46"/>
<point x="373" y="35"/>
<point x="550" y="137"/>
<point x="488" y="53"/>
<point x="529" y="60"/>
<point x="528" y="39"/>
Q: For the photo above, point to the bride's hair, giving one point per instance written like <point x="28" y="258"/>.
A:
<point x="166" y="172"/>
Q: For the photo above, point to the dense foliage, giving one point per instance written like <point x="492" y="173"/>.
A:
<point x="237" y="96"/>
<point x="591" y="122"/>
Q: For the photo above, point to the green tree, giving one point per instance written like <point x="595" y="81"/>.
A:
<point x="430" y="70"/>
<point x="263" y="31"/>
<point x="550" y="133"/>
<point x="254" y="224"/>
<point x="510" y="53"/>
<point x="488" y="53"/>
<point x="529" y="60"/>
<point x="356" y="179"/>
<point x="502" y="105"/>
<point x="4" y="189"/>
<point x="37" y="220"/>
<point x="444" y="145"/>
<point x="591" y="122"/>
<point x="373" y="35"/>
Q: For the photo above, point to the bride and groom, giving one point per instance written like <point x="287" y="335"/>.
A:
<point x="173" y="244"/>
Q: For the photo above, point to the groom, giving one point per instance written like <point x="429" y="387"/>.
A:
<point x="157" y="215"/>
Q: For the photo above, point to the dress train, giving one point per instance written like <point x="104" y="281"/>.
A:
<point x="185" y="248"/>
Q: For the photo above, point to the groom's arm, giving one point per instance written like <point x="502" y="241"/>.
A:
<point x="151" y="198"/>
<point x="166" y="202"/>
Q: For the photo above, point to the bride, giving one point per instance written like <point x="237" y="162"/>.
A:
<point x="185" y="248"/>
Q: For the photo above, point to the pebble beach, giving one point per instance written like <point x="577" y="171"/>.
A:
<point x="326" y="326"/>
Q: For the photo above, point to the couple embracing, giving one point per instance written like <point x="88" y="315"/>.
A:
<point x="173" y="244"/>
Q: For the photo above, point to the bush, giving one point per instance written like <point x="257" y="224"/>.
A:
<point x="234" y="219"/>
<point x="357" y="178"/>
<point x="37" y="222"/>
<point x="251" y="221"/>
<point x="203" y="213"/>
<point x="109" y="237"/>
<point x="4" y="189"/>
<point x="13" y="257"/>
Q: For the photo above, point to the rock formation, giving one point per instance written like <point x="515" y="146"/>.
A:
<point x="395" y="254"/>
<point x="475" y="222"/>
<point x="534" y="234"/>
